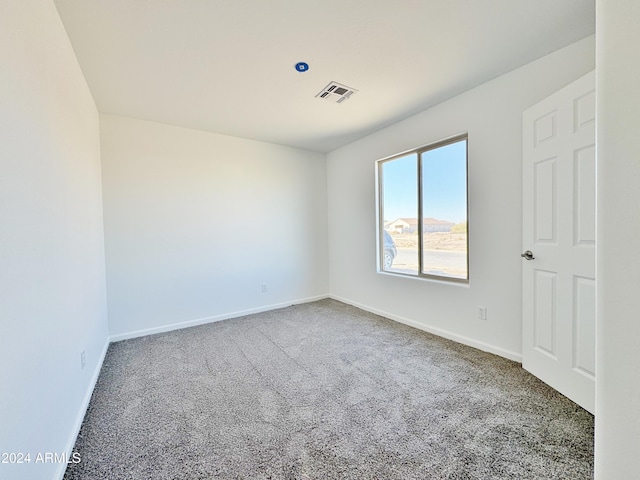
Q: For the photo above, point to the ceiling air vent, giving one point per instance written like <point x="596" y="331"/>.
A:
<point x="335" y="92"/>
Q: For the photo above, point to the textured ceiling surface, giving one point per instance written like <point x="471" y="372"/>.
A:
<point x="228" y="66"/>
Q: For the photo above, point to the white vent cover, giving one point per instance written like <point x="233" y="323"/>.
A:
<point x="336" y="92"/>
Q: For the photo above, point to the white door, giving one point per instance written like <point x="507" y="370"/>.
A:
<point x="559" y="202"/>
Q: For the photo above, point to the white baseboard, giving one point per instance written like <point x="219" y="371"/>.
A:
<point x="81" y="412"/>
<point x="215" y="318"/>
<point x="485" y="347"/>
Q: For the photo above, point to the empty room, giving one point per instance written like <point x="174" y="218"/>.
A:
<point x="319" y="240"/>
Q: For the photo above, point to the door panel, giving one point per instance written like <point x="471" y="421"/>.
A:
<point x="546" y="204"/>
<point x="559" y="199"/>
<point x="585" y="196"/>
<point x="544" y="315"/>
<point x="584" y="320"/>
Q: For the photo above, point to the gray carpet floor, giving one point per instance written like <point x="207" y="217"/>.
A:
<point x="323" y="391"/>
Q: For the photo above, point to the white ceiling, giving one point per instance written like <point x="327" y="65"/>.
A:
<point x="227" y="66"/>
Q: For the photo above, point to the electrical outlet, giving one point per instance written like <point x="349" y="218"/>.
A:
<point x="482" y="312"/>
<point x="264" y="288"/>
<point x="83" y="360"/>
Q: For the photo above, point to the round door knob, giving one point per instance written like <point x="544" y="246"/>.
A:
<point x="528" y="255"/>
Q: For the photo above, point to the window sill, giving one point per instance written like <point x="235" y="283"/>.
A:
<point x="437" y="280"/>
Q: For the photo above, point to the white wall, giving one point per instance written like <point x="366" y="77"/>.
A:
<point x="492" y="115"/>
<point x="196" y="222"/>
<point x="618" y="262"/>
<point x="52" y="280"/>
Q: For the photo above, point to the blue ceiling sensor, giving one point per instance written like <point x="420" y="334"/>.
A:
<point x="302" y="67"/>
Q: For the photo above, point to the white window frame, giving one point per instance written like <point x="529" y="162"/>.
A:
<point x="380" y="210"/>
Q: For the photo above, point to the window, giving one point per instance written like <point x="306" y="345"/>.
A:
<point x="423" y="212"/>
